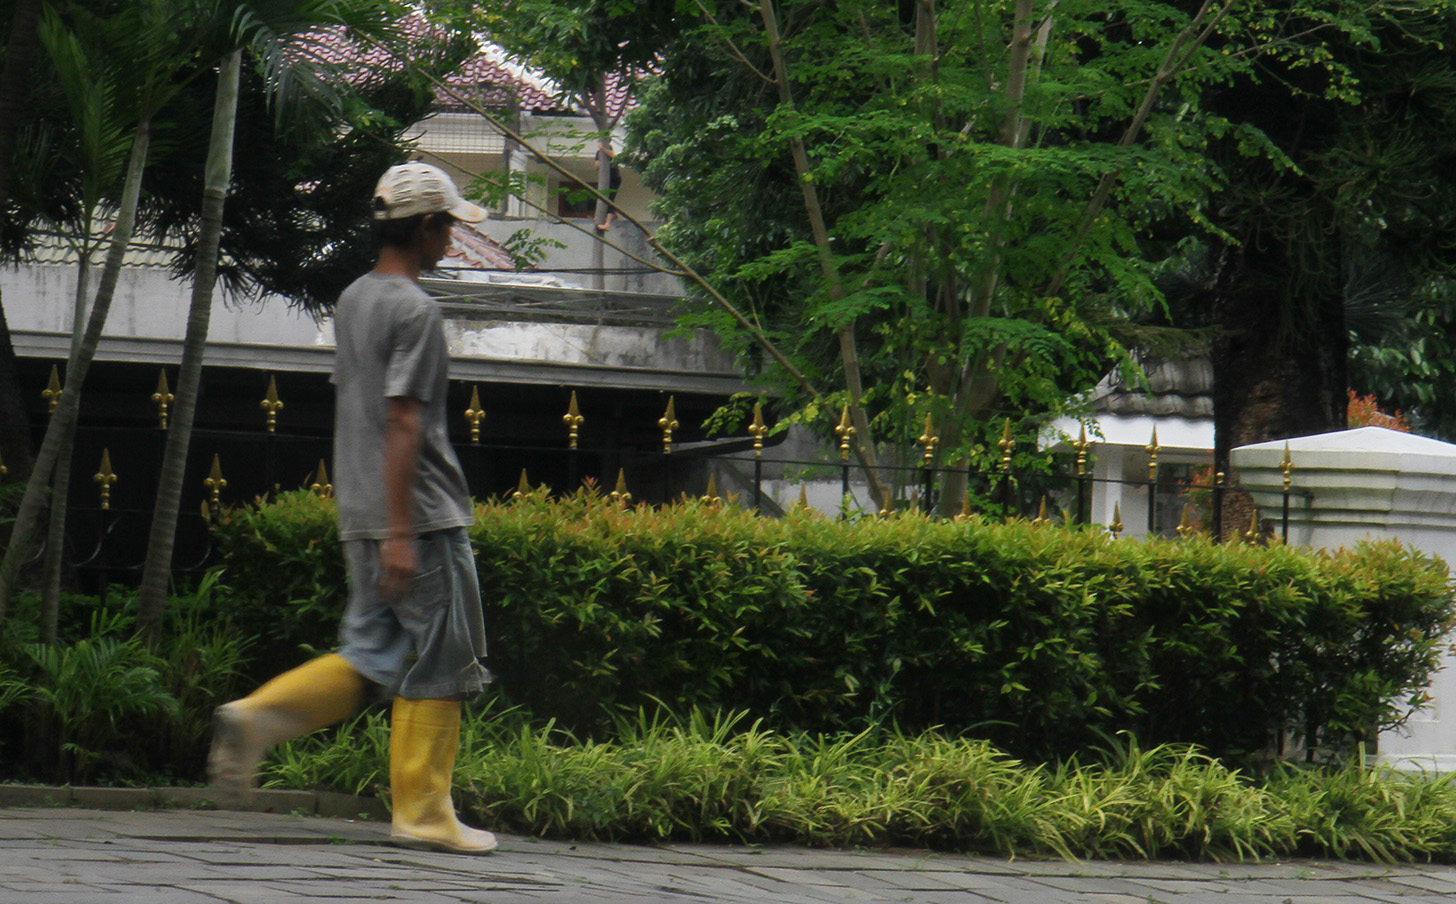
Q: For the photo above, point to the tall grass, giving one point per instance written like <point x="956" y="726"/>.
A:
<point x="706" y="778"/>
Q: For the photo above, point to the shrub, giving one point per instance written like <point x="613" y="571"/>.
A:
<point x="289" y="590"/>
<point x="100" y="705"/>
<point x="1041" y="639"/>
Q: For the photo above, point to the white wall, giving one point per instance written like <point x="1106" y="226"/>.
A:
<point x="1372" y="483"/>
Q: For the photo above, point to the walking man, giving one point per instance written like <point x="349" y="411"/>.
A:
<point x="412" y="628"/>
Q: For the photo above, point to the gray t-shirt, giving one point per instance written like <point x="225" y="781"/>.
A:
<point x="391" y="343"/>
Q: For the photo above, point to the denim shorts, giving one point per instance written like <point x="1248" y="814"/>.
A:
<point x="430" y="643"/>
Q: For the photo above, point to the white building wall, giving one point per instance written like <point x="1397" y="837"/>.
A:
<point x="148" y="321"/>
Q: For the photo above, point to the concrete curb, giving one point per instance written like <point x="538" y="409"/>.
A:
<point x="309" y="803"/>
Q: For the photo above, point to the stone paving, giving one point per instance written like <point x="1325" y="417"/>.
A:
<point x="84" y="856"/>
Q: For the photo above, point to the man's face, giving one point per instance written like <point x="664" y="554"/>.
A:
<point x="435" y="239"/>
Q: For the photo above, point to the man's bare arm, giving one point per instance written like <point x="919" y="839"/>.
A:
<point x="401" y="460"/>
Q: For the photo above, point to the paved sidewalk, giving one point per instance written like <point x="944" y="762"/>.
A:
<point x="78" y="856"/>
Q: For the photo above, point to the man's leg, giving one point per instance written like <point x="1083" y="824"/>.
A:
<point x="318" y="693"/>
<point x="423" y="739"/>
<point x="443" y="618"/>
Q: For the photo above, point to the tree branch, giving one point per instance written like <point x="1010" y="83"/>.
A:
<point x="1173" y="64"/>
<point x="734" y="47"/>
<point x="862" y="441"/>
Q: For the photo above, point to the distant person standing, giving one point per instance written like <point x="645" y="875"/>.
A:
<point x="413" y="627"/>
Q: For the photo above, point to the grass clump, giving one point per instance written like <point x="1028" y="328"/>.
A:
<point x="727" y="779"/>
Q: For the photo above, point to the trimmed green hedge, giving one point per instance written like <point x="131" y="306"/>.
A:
<point x="1041" y="639"/>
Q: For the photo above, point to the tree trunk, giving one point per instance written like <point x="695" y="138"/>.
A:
<point x="1272" y="379"/>
<point x="69" y="409"/>
<point x="50" y="603"/>
<point x="50" y="600"/>
<point x="156" y="574"/>
<point x="15" y="79"/>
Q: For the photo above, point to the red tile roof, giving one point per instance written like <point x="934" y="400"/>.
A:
<point x="474" y="250"/>
<point x="490" y="78"/>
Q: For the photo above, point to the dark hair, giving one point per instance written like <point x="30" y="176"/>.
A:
<point x="400" y="233"/>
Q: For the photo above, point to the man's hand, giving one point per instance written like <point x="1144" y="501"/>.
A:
<point x="398" y="565"/>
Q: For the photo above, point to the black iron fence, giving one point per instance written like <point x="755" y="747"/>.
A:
<point x="110" y="506"/>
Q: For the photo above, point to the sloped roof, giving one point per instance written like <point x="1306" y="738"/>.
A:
<point x="474" y="250"/>
<point x="1182" y="388"/>
<point x="492" y="78"/>
<point x="1360" y="440"/>
<point x="49" y="249"/>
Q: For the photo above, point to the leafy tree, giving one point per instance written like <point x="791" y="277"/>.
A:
<point x="938" y="206"/>
<point x="952" y="209"/>
<point x="1411" y="365"/>
<point x="1349" y="218"/>
<point x="297" y="220"/>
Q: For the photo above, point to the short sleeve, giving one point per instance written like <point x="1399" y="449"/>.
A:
<point x="417" y="347"/>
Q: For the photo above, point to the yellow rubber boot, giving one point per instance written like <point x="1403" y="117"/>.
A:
<point x="423" y="739"/>
<point x="318" y="693"/>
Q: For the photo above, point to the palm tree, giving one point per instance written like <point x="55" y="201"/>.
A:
<point x="155" y="39"/>
<point x="100" y="150"/>
<point x="272" y="30"/>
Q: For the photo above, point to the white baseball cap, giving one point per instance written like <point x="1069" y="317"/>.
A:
<point x="411" y="189"/>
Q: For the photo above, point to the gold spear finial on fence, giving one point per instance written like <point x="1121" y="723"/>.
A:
<point x="845" y="432"/>
<point x="1153" y="449"/>
<point x="104" y="478"/>
<point x="928" y="441"/>
<point x="215" y="483"/>
<point x="163" y="398"/>
<point x="573" y="421"/>
<point x="1116" y="527"/>
<point x="620" y="494"/>
<point x="1253" y="533"/>
<point x="710" y="496"/>
<point x="757" y="429"/>
<point x="965" y="513"/>
<point x="1286" y="467"/>
<point x="321" y="487"/>
<point x="803" y="500"/>
<point x="888" y="508"/>
<point x="3" y="470"/>
<point x="1081" y="446"/>
<point x="1007" y="444"/>
<point x="270" y="404"/>
<point x="1041" y="513"/>
<point x="52" y="392"/>
<point x="668" y="423"/>
<point x="1185" y="524"/>
<point x="523" y="488"/>
<point x="474" y="414"/>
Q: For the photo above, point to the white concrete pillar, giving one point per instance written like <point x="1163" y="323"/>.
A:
<point x="1371" y="483"/>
